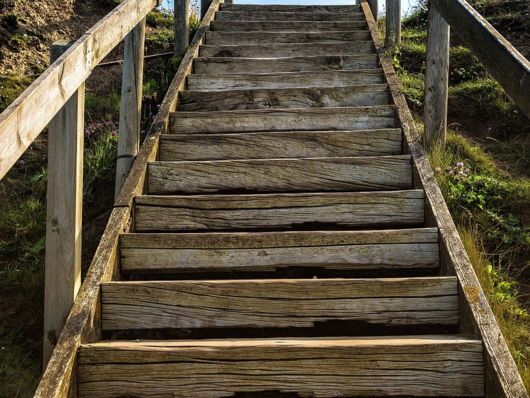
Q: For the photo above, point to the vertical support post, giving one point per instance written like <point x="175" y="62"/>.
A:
<point x="64" y="212"/>
<point x="131" y="103"/>
<point x="182" y="25"/>
<point x="436" y="80"/>
<point x="374" y="6"/>
<point x="205" y="4"/>
<point x="393" y="24"/>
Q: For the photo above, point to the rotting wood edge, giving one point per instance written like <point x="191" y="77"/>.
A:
<point x="502" y="377"/>
<point x="83" y="324"/>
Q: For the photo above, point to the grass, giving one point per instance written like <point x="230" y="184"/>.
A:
<point x="487" y="205"/>
<point x="502" y="294"/>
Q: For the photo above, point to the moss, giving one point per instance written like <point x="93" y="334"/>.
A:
<point x="10" y="88"/>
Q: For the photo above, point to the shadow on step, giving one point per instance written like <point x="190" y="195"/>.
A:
<point x="320" y="329"/>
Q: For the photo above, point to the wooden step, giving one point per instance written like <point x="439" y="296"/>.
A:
<point x="279" y="211"/>
<point x="286" y="26"/>
<point x="285" y="80"/>
<point x="279" y="145"/>
<point x="290" y="8"/>
<point x="309" y="16"/>
<point x="366" y="173"/>
<point x="288" y="49"/>
<point x="373" y="117"/>
<point x="321" y="367"/>
<point x="231" y="65"/>
<point x="265" y="37"/>
<point x="272" y="98"/>
<point x="278" y="303"/>
<point x="402" y="249"/>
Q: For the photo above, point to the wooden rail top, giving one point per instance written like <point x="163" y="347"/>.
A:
<point x="502" y="60"/>
<point x="31" y="112"/>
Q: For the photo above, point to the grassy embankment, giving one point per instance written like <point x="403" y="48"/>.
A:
<point x="23" y="204"/>
<point x="484" y="171"/>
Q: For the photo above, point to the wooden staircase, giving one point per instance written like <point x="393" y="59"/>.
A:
<point x="282" y="246"/>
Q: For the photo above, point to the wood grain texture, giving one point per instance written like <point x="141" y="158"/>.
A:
<point x="286" y="26"/>
<point x="284" y="80"/>
<point x="268" y="251"/>
<point x="83" y="322"/>
<point x="264" y="37"/>
<point x="436" y="81"/>
<point x="290" y="144"/>
<point x="347" y="118"/>
<point x="31" y="112"/>
<point x="502" y="377"/>
<point x="281" y="175"/>
<point x="181" y="18"/>
<point x="130" y="104"/>
<point x="296" y="16"/>
<point x="302" y="97"/>
<point x="134" y="184"/>
<point x="227" y="65"/>
<point x="278" y="211"/>
<point x="274" y="50"/>
<point x="409" y="365"/>
<point x="290" y="8"/>
<point x="278" y="303"/>
<point x="64" y="215"/>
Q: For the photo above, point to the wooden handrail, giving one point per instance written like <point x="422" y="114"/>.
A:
<point x="30" y="113"/>
<point x="509" y="67"/>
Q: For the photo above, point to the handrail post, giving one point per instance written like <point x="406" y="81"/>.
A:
<point x="182" y="26"/>
<point x="131" y="103"/>
<point x="393" y="24"/>
<point x="205" y="4"/>
<point x="64" y="212"/>
<point x="436" y="80"/>
<point x="374" y="6"/>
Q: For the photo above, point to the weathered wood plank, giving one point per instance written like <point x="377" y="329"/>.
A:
<point x="393" y="24"/>
<point x="290" y="8"/>
<point x="502" y="377"/>
<point x="223" y="65"/>
<point x="406" y="365"/>
<point x="374" y="117"/>
<point x="82" y="324"/>
<point x="301" y="97"/>
<point x="278" y="303"/>
<point x="286" y="26"/>
<point x="29" y="114"/>
<point x="130" y="104"/>
<point x="406" y="249"/>
<point x="275" y="50"/>
<point x="182" y="11"/>
<point x="291" y="144"/>
<point x="227" y="38"/>
<point x="280" y="175"/>
<point x="285" y="80"/>
<point x="64" y="213"/>
<point x="436" y="81"/>
<point x="288" y="16"/>
<point x="279" y="211"/>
